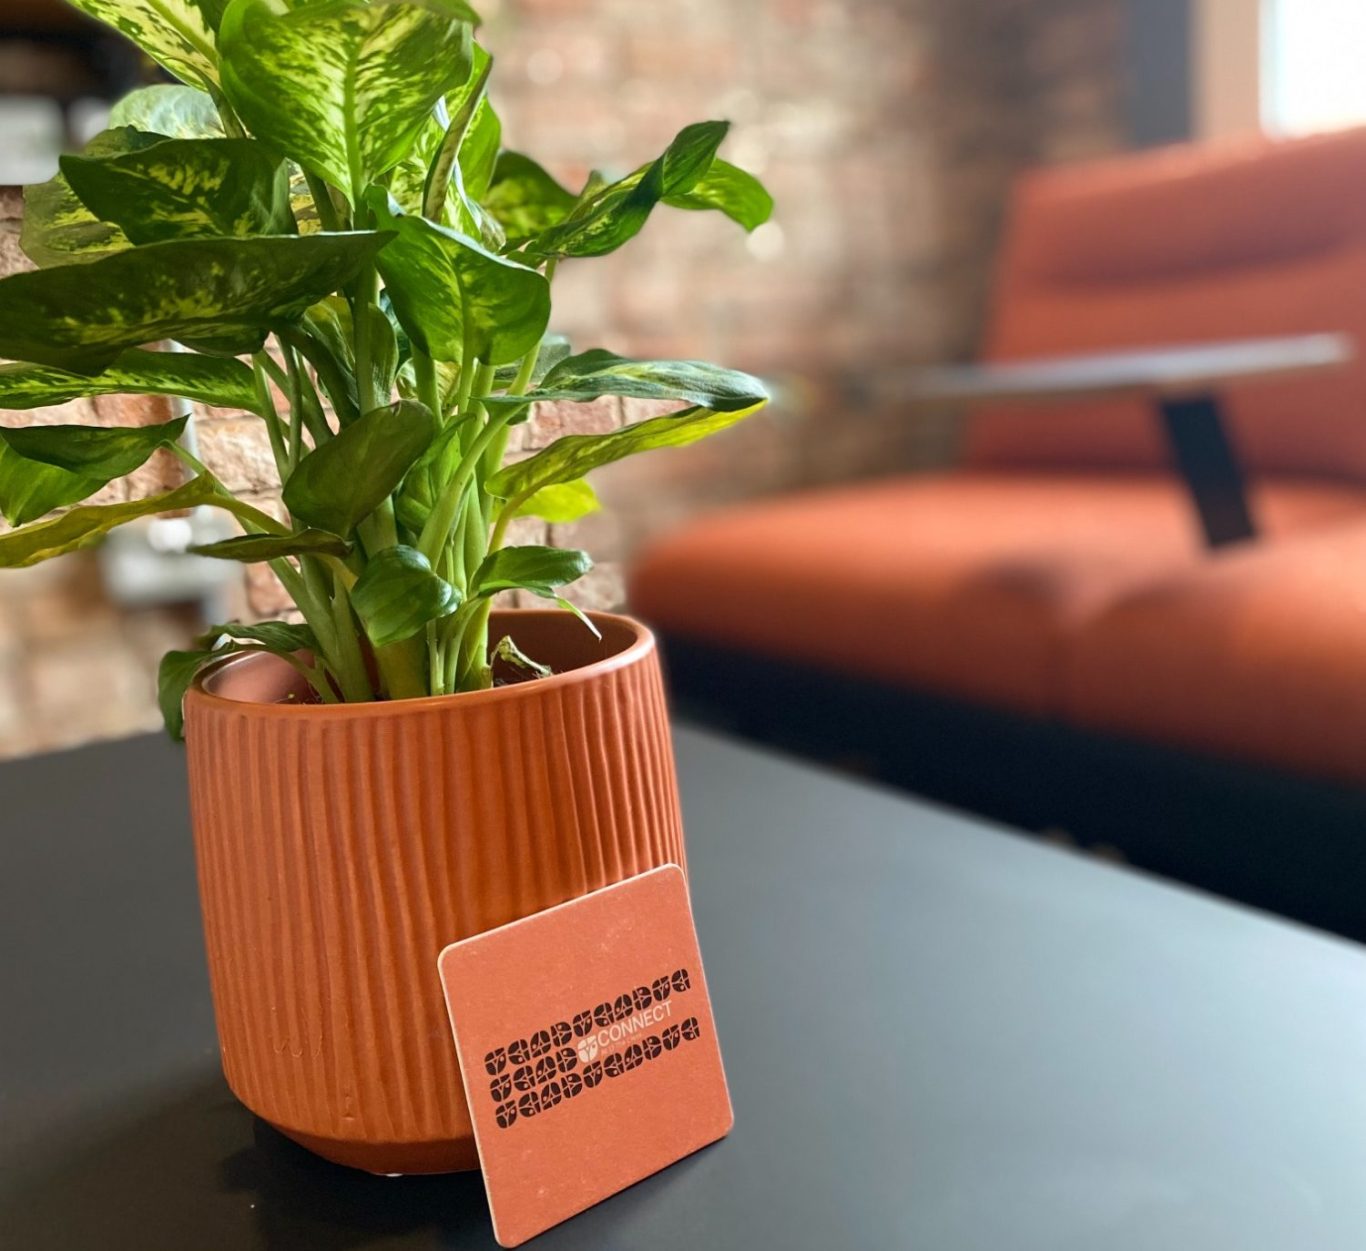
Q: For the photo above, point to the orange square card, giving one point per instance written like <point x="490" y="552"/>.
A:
<point x="588" y="1049"/>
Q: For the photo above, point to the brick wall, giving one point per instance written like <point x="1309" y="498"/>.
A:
<point x="888" y="131"/>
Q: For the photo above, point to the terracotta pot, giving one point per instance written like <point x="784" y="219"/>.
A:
<point x="341" y="847"/>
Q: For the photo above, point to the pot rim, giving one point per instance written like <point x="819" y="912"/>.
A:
<point x="641" y="646"/>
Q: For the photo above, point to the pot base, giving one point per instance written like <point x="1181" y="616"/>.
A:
<point x="388" y="1159"/>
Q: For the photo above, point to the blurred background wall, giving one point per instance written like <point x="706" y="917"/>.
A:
<point x="889" y="132"/>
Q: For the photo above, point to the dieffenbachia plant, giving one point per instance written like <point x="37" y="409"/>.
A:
<point x="319" y="225"/>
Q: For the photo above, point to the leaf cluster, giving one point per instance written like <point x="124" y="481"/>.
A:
<point x="319" y="224"/>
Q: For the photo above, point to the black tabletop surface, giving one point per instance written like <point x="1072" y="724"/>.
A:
<point x="938" y="1036"/>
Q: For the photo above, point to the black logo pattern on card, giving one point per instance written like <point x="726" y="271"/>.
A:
<point x="533" y="1075"/>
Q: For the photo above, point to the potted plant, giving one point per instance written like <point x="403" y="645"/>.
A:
<point x="320" y="226"/>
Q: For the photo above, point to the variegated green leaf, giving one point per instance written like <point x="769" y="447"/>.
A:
<point x="187" y="189"/>
<point x="443" y="172"/>
<point x="608" y="216"/>
<point x="58" y="229"/>
<point x="254" y="548"/>
<point x="85" y="525"/>
<point x="729" y="190"/>
<point x="341" y="88"/>
<point x="508" y="653"/>
<point x="408" y="187"/>
<point x="399" y="593"/>
<point x="577" y="455"/>
<point x="178" y="34"/>
<point x="222" y="294"/>
<point x="278" y="636"/>
<point x="598" y="372"/>
<point x="169" y="109"/>
<point x="214" y="380"/>
<point x="47" y="467"/>
<point x="453" y="296"/>
<point x="339" y="484"/>
<point x="541" y="570"/>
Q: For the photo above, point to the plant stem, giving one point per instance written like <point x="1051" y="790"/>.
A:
<point x="329" y="373"/>
<point x="351" y="673"/>
<point x="428" y="384"/>
<point x="274" y="427"/>
<point x="296" y="410"/>
<point x="401" y="670"/>
<point x="254" y="521"/>
<point x="322" y="200"/>
<point x="232" y="127"/>
<point x="314" y="417"/>
<point x="437" y="530"/>
<point x="466" y="383"/>
<point x="366" y="294"/>
<point x="523" y="379"/>
<point x="475" y="674"/>
<point x="436" y="662"/>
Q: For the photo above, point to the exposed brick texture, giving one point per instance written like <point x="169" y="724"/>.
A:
<point x="888" y="132"/>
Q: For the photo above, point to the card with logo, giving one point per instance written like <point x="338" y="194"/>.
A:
<point x="588" y="1049"/>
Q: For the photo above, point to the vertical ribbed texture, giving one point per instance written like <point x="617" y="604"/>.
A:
<point x="339" y="853"/>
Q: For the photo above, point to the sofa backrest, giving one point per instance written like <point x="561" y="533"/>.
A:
<point x="1188" y="244"/>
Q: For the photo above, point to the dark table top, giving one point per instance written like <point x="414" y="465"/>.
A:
<point x="938" y="1036"/>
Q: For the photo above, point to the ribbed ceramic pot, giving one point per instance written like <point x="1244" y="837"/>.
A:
<point x="341" y="847"/>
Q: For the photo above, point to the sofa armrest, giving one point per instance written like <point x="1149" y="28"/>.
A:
<point x="1158" y="373"/>
<point x="1184" y="385"/>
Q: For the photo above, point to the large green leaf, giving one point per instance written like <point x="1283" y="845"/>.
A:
<point x="524" y="198"/>
<point x="729" y="190"/>
<point x="215" y="380"/>
<point x="187" y="189"/>
<point x="342" y="88"/>
<point x="169" y="109"/>
<point x="599" y="372"/>
<point x="607" y="217"/>
<point x="398" y="593"/>
<point x="538" y="569"/>
<point x="452" y="295"/>
<point x="222" y="293"/>
<point x="85" y="525"/>
<point x="576" y="455"/>
<point x="178" y="34"/>
<point x="339" y="484"/>
<point x="58" y="229"/>
<point x="251" y="549"/>
<point x="47" y="467"/>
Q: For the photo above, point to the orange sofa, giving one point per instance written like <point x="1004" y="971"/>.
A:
<point x="1041" y="633"/>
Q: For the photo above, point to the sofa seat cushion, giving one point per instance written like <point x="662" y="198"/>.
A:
<point x="1260" y="658"/>
<point x="968" y="584"/>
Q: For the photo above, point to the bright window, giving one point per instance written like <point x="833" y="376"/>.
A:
<point x="1312" y="72"/>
